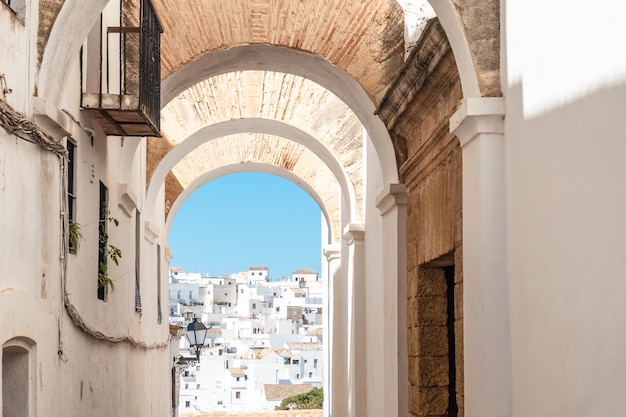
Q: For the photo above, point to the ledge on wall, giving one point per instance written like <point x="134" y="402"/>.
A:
<point x="127" y="199"/>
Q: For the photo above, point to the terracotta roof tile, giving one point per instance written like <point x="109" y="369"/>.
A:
<point x="282" y="391"/>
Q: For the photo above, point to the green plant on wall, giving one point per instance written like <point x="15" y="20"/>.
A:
<point x="106" y="251"/>
<point x="75" y="235"/>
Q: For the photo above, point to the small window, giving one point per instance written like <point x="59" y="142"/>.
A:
<point x="103" y="242"/>
<point x="297" y="376"/>
<point x="238" y="395"/>
<point x="186" y="386"/>
<point x="310" y="375"/>
<point x="71" y="181"/>
<point x="315" y="363"/>
<point x="296" y="362"/>
<point x="187" y="404"/>
<point x="198" y="385"/>
<point x="138" y="262"/>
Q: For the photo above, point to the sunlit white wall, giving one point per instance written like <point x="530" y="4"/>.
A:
<point x="564" y="82"/>
<point x="559" y="51"/>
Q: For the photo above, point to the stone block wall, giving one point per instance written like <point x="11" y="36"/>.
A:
<point x="417" y="111"/>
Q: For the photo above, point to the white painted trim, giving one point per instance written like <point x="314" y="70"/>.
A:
<point x="127" y="199"/>
<point x="448" y="17"/>
<point x="152" y="233"/>
<point x="392" y="196"/>
<point x="476" y="116"/>
<point x="354" y="232"/>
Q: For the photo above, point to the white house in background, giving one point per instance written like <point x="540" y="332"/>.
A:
<point x="238" y="386"/>
<point x="268" y="335"/>
<point x="258" y="273"/>
<point x="306" y="362"/>
<point x="305" y="275"/>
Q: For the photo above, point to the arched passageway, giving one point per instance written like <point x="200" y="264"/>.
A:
<point x="353" y="60"/>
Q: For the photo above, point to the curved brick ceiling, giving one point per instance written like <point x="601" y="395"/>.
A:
<point x="364" y="38"/>
<point x="269" y="95"/>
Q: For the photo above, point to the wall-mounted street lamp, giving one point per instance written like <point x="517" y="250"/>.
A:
<point x="196" y="335"/>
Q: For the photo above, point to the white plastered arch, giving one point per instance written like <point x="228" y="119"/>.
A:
<point x="248" y="125"/>
<point x="449" y="19"/>
<point x="247" y="167"/>
<point x="306" y="65"/>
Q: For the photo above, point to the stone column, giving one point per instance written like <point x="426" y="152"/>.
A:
<point x="354" y="234"/>
<point x="392" y="205"/>
<point x="479" y="125"/>
<point x="334" y="382"/>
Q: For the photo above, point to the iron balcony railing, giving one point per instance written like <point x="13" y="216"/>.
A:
<point x="126" y="96"/>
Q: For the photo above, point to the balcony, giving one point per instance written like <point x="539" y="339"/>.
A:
<point x="121" y="70"/>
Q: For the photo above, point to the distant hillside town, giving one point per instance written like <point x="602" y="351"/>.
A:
<point x="264" y="338"/>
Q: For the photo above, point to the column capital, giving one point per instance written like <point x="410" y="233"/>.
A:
<point x="393" y="195"/>
<point x="332" y="252"/>
<point x="151" y="233"/>
<point x="477" y="115"/>
<point x="168" y="254"/>
<point x="354" y="232"/>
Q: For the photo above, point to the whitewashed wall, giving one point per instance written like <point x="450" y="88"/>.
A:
<point x="564" y="80"/>
<point x="89" y="376"/>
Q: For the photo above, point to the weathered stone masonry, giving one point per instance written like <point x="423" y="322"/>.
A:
<point x="416" y="111"/>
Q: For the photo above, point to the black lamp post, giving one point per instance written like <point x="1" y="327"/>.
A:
<point x="196" y="334"/>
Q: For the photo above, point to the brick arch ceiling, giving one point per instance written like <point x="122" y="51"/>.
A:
<point x="197" y="155"/>
<point x="332" y="130"/>
<point x="248" y="156"/>
<point x="363" y="38"/>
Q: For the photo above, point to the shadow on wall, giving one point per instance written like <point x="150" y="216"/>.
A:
<point x="566" y="194"/>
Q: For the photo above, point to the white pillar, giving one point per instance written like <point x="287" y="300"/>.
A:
<point x="479" y="125"/>
<point x="392" y="205"/>
<point x="354" y="234"/>
<point x="333" y="384"/>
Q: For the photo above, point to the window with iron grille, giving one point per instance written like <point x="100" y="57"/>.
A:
<point x="71" y="187"/>
<point x="137" y="261"/>
<point x="102" y="240"/>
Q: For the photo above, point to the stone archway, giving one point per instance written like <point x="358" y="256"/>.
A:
<point x="460" y="24"/>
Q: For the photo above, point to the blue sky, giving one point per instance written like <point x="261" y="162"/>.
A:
<point x="247" y="219"/>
